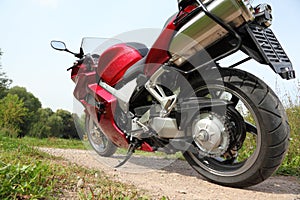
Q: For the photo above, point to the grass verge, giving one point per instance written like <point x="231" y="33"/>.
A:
<point x="291" y="163"/>
<point x="26" y="173"/>
<point x="54" y="143"/>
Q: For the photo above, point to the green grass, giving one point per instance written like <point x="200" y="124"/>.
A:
<point x="291" y="163"/>
<point x="26" y="173"/>
<point x="54" y="143"/>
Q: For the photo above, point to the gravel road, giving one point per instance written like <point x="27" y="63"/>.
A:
<point x="175" y="179"/>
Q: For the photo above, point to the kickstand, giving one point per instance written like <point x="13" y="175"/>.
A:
<point x="132" y="147"/>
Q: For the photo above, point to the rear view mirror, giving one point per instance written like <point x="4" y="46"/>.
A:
<point x="61" y="46"/>
<point x="58" y="45"/>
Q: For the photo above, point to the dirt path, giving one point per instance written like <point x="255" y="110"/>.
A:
<point x="175" y="179"/>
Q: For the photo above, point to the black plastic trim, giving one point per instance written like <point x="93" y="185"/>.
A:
<point x="272" y="52"/>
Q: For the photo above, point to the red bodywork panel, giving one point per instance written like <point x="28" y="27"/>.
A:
<point x="159" y="53"/>
<point x="83" y="80"/>
<point x="114" y="62"/>
<point x="107" y="122"/>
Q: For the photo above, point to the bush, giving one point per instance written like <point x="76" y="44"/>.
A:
<point x="12" y="111"/>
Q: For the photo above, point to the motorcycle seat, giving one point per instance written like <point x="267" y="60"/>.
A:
<point x="141" y="48"/>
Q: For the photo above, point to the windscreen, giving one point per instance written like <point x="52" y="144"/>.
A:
<point x="94" y="45"/>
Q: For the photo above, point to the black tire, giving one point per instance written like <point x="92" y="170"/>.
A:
<point x="272" y="135"/>
<point x="99" y="142"/>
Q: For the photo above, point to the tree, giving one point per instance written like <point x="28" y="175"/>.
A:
<point x="4" y="81"/>
<point x="32" y="104"/>
<point x="56" y="125"/>
<point x="41" y="128"/>
<point x="69" y="129"/>
<point x="30" y="101"/>
<point x="59" y="124"/>
<point x="12" y="112"/>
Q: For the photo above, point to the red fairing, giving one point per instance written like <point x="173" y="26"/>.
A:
<point x="83" y="80"/>
<point x="76" y="71"/>
<point x="146" y="147"/>
<point x="114" y="62"/>
<point x="107" y="123"/>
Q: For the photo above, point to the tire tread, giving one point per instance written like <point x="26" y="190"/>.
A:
<point x="275" y="131"/>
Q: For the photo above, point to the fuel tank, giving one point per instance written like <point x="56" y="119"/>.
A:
<point x="114" y="62"/>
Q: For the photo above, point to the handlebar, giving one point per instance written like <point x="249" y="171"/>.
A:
<point x="76" y="64"/>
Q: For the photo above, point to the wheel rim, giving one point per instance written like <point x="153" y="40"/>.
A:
<point x="97" y="139"/>
<point x="249" y="153"/>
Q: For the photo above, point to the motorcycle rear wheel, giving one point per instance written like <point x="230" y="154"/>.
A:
<point x="99" y="142"/>
<point x="269" y="132"/>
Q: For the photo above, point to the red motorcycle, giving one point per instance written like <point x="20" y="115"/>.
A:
<point x="229" y="125"/>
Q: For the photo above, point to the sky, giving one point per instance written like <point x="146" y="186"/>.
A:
<point x="28" y="26"/>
